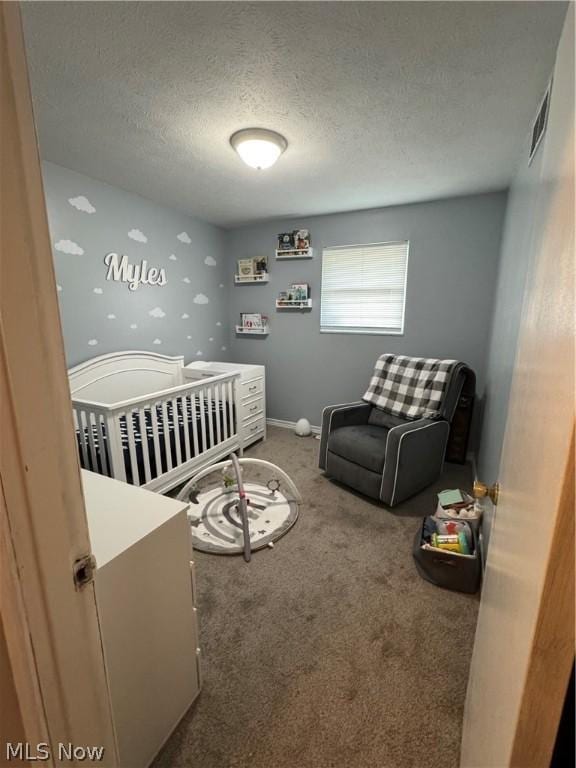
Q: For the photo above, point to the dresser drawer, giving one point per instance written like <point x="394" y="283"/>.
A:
<point x="253" y="429"/>
<point x="251" y="388"/>
<point x="251" y="408"/>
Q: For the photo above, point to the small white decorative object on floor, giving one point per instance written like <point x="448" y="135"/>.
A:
<point x="251" y="395"/>
<point x="303" y="428"/>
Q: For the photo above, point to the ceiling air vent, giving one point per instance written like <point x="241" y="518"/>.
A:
<point x="539" y="125"/>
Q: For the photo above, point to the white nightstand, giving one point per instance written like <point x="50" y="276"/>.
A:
<point x="252" y="395"/>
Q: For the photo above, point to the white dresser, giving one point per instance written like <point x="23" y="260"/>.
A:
<point x="251" y="395"/>
<point x="144" y="586"/>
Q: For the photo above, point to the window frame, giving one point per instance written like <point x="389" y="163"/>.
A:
<point x="368" y="331"/>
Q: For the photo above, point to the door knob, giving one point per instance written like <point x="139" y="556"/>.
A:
<point x="481" y="490"/>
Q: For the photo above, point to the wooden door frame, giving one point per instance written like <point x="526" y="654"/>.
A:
<point x="552" y="653"/>
<point x="52" y="631"/>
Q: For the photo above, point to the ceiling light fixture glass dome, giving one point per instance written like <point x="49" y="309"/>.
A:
<point x="258" y="147"/>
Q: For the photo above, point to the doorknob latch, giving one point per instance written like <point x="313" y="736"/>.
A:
<point x="481" y="490"/>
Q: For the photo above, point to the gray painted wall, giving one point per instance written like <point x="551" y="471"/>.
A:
<point x="453" y="264"/>
<point x="100" y="316"/>
<point x="513" y="270"/>
<point x="526" y="219"/>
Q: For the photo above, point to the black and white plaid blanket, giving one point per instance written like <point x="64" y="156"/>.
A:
<point x="410" y="387"/>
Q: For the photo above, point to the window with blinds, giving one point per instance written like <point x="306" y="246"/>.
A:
<point x="364" y="288"/>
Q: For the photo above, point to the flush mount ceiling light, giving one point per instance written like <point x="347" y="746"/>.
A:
<point x="258" y="147"/>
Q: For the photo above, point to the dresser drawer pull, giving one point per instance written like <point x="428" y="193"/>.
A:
<point x="253" y="388"/>
<point x="254" y="408"/>
<point x="255" y="428"/>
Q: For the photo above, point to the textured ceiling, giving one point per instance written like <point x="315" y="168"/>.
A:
<point x="381" y="102"/>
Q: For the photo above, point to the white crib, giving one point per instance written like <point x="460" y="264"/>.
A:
<point x="146" y="419"/>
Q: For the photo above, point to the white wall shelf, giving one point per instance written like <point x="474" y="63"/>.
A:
<point x="251" y="279"/>
<point x="295" y="253"/>
<point x="243" y="331"/>
<point x="306" y="304"/>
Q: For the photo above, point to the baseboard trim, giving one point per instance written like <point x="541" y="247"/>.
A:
<point x="290" y="425"/>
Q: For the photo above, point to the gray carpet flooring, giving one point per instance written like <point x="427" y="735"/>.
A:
<point x="328" y="651"/>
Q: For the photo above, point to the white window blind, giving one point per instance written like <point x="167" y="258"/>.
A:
<point x="364" y="288"/>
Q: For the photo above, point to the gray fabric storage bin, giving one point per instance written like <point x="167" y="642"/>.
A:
<point x="447" y="570"/>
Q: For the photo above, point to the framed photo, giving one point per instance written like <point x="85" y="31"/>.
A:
<point x="286" y="241"/>
<point x="260" y="265"/>
<point x="300" y="291"/>
<point x="251" y="320"/>
<point x="301" y="239"/>
<point x="245" y="267"/>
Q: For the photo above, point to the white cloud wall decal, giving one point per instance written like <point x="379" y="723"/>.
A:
<point x="223" y="349"/>
<point x="211" y="338"/>
<point x="199" y="352"/>
<point x="210" y="261"/>
<point x="157" y="312"/>
<point x="218" y="323"/>
<point x="186" y="280"/>
<point x="173" y="257"/>
<point x="200" y="299"/>
<point x="82" y="203"/>
<point x="157" y="341"/>
<point x="185" y="316"/>
<point x="221" y="285"/>
<point x="133" y="326"/>
<point x="58" y="288"/>
<point x="92" y="342"/>
<point x="111" y="317"/>
<point x="70" y="247"/>
<point x="188" y="337"/>
<point x="184" y="237"/>
<point x="98" y="291"/>
<point x="136" y="234"/>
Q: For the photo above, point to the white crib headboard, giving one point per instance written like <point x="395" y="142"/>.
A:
<point x="122" y="375"/>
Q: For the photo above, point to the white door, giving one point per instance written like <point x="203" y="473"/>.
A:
<point x="52" y="633"/>
<point x="524" y="646"/>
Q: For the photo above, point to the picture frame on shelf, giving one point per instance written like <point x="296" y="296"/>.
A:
<point x="251" y="320"/>
<point x="300" y="291"/>
<point x="301" y="239"/>
<point x="286" y="241"/>
<point x="245" y="267"/>
<point x="260" y="265"/>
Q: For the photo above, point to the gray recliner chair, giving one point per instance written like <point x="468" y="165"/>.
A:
<point x="388" y="457"/>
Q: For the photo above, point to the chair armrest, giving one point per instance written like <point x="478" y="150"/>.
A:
<point x="414" y="458"/>
<point x="336" y="416"/>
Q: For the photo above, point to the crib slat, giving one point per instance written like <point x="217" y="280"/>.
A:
<point x="102" y="445"/>
<point x="224" y="411"/>
<point x="186" y="421"/>
<point x="217" y="412"/>
<point x="202" y="419"/>
<point x="231" y="409"/>
<point x="144" y="438"/>
<point x="210" y="417"/>
<point x="166" y="428"/>
<point x="82" y="438"/>
<point x="91" y="442"/>
<point x="176" y="422"/>
<point x="156" y="440"/>
<point x="194" y="417"/>
<point x="132" y="448"/>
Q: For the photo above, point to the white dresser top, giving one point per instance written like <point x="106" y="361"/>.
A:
<point x="214" y="365"/>
<point x="120" y="514"/>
